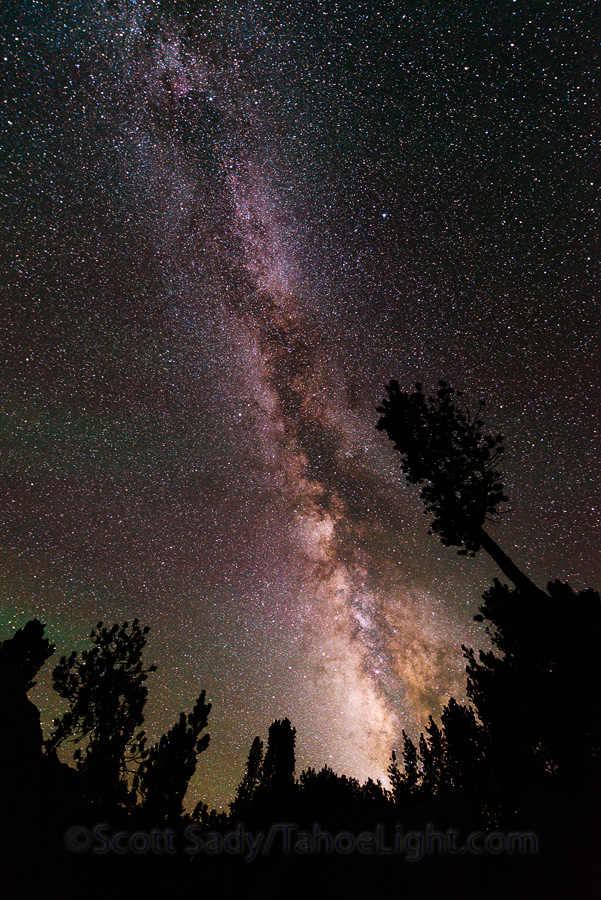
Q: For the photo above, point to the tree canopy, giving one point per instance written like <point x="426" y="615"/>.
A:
<point x="445" y="449"/>
<point x="105" y="687"/>
<point x="106" y="691"/>
<point x="163" y="775"/>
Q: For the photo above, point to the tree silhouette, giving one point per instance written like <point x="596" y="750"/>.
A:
<point x="444" y="448"/>
<point x="268" y="786"/>
<point x="21" y="657"/>
<point x="327" y="785"/>
<point x="251" y="781"/>
<point x="165" y="770"/>
<point x="536" y="704"/>
<point x="540" y="680"/>
<point x="279" y="763"/>
<point x="338" y="801"/>
<point x="106" y="691"/>
<point x="404" y="781"/>
<point x="450" y="759"/>
<point x="431" y="752"/>
<point x="464" y="748"/>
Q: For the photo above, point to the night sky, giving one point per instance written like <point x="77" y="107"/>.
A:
<point x="225" y="227"/>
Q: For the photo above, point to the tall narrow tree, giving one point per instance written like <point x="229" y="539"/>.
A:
<point x="279" y="764"/>
<point x="251" y="781"/>
<point x="163" y="775"/>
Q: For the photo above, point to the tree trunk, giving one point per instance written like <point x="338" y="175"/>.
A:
<point x="508" y="567"/>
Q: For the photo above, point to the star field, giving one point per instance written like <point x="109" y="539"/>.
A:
<point x="225" y="227"/>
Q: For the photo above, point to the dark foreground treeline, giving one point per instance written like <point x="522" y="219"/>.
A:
<point x="502" y="793"/>
<point x="500" y="798"/>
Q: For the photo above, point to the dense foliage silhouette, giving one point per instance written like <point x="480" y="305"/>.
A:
<point x="106" y="691"/>
<point x="162" y="777"/>
<point x="443" y="447"/>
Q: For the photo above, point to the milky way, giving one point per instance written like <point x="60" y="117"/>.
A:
<point x="226" y="230"/>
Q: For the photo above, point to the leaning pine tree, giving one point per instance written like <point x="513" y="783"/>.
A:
<point x="537" y="691"/>
<point x="444" y="449"/>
